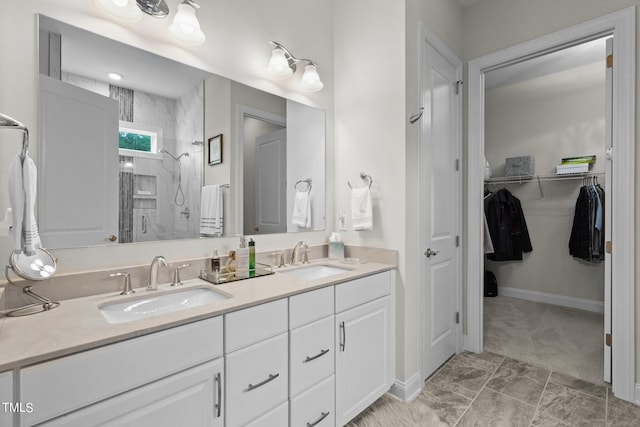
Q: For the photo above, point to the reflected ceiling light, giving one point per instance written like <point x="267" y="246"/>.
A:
<point x="283" y="64"/>
<point x="114" y="76"/>
<point x="125" y="10"/>
<point x="185" y="26"/>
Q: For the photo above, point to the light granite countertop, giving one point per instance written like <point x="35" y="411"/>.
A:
<point x="78" y="325"/>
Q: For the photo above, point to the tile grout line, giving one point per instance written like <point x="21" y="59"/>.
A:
<point x="535" y="412"/>
<point x="480" y="391"/>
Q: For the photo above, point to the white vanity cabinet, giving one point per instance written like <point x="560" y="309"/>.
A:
<point x="159" y="366"/>
<point x="365" y="343"/>
<point x="312" y="358"/>
<point x="257" y="364"/>
<point x="6" y="399"/>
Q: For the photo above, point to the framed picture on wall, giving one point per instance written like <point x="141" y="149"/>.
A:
<point x="215" y="150"/>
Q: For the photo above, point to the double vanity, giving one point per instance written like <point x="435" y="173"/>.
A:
<point x="311" y="345"/>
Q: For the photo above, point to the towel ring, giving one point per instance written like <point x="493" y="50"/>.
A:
<point x="363" y="176"/>
<point x="304" y="181"/>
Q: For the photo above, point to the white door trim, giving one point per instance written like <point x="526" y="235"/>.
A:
<point x="243" y="111"/>
<point x="622" y="25"/>
<point x="425" y="35"/>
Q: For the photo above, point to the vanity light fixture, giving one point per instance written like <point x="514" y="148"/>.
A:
<point x="283" y="64"/>
<point x="185" y="26"/>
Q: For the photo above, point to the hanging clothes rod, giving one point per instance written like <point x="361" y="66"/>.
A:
<point x="522" y="179"/>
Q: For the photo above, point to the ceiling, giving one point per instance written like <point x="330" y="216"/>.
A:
<point x="90" y="55"/>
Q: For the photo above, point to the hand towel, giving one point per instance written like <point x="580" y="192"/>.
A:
<point x="16" y="199"/>
<point x="302" y="209"/>
<point x="361" y="209"/>
<point x="30" y="227"/>
<point x="211" y="211"/>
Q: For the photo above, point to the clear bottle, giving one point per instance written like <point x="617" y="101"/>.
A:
<point x="336" y="247"/>
<point x="242" y="259"/>
<point x="215" y="266"/>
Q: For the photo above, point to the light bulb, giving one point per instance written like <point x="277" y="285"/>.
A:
<point x="185" y="27"/>
<point x="311" y="79"/>
<point x="279" y="65"/>
<point x="125" y="10"/>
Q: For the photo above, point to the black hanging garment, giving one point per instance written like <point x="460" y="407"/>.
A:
<point x="587" y="233"/>
<point x="507" y="227"/>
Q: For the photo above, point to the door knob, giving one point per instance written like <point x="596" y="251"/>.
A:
<point x="112" y="238"/>
<point x="429" y="253"/>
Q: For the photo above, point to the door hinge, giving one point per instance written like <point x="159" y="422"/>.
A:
<point x="610" y="61"/>
<point x="458" y="84"/>
<point x="608" y="246"/>
<point x="457" y="164"/>
<point x="457" y="241"/>
<point x="607" y="340"/>
<point x="457" y="317"/>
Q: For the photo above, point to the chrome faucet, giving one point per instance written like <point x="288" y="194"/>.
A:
<point x="294" y="253"/>
<point x="152" y="284"/>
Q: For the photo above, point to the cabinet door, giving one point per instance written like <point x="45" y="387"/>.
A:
<point x="191" y="398"/>
<point x="6" y="399"/>
<point x="364" y="359"/>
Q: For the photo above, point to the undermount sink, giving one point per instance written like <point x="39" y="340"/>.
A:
<point x="313" y="272"/>
<point x="154" y="305"/>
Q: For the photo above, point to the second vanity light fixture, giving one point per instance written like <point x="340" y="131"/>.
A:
<point x="185" y="26"/>
<point x="283" y="64"/>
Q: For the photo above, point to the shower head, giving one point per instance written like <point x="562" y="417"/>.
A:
<point x="174" y="157"/>
<point x="196" y="142"/>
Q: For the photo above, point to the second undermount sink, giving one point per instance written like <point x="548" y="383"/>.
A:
<point x="313" y="272"/>
<point x="154" y="305"/>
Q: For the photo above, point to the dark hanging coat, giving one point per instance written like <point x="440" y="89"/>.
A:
<point x="507" y="227"/>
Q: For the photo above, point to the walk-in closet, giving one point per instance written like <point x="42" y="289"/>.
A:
<point x="544" y="119"/>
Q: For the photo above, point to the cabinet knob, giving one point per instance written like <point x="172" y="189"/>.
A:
<point x="112" y="238"/>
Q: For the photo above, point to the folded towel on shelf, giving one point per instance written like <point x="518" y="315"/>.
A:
<point x="23" y="183"/>
<point x="302" y="209"/>
<point x="211" y="211"/>
<point x="361" y="209"/>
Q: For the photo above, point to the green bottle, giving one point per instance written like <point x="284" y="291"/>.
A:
<point x="252" y="255"/>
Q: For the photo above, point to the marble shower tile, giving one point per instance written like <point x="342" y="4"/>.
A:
<point x="621" y="413"/>
<point x="519" y="380"/>
<point x="540" y="420"/>
<point x="465" y="373"/>
<point x="497" y="410"/>
<point x="595" y="390"/>
<point x="446" y="405"/>
<point x="571" y="406"/>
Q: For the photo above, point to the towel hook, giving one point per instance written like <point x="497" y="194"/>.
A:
<point x="304" y="181"/>
<point x="363" y="176"/>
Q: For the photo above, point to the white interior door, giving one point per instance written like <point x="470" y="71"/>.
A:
<point x="78" y="166"/>
<point x="440" y="195"/>
<point x="607" y="213"/>
<point x="271" y="185"/>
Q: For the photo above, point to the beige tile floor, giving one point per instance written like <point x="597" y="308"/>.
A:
<point x="491" y="390"/>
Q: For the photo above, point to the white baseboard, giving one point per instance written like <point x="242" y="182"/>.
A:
<point x="407" y="390"/>
<point x="561" y="300"/>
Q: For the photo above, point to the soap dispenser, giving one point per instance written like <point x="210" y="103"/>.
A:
<point x="242" y="259"/>
<point x="336" y="247"/>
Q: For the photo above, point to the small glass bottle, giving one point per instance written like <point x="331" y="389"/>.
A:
<point x="252" y="255"/>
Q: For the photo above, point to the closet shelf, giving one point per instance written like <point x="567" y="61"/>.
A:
<point x="521" y="179"/>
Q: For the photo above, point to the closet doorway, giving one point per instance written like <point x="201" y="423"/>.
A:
<point x="621" y="26"/>
<point x="550" y="306"/>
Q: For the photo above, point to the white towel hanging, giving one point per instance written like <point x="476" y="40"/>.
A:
<point x="212" y="211"/>
<point x="302" y="209"/>
<point x="361" y="209"/>
<point x="23" y="182"/>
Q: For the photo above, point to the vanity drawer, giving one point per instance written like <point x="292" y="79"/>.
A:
<point x="275" y="417"/>
<point x="362" y="290"/>
<point x="311" y="354"/>
<point x="254" y="324"/>
<point x="310" y="306"/>
<point x="316" y="406"/>
<point x="66" y="384"/>
<point x="257" y="380"/>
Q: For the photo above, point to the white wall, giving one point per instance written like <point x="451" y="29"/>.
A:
<point x="237" y="47"/>
<point x="492" y="25"/>
<point x="548" y="121"/>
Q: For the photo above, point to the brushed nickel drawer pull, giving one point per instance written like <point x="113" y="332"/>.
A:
<point x="343" y="336"/>
<point x="260" y="384"/>
<point x="218" y="405"/>
<point x="322" y="353"/>
<point x="322" y="417"/>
